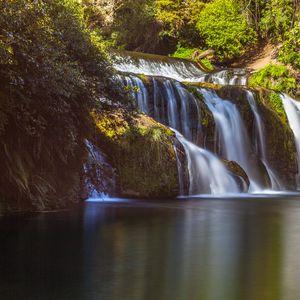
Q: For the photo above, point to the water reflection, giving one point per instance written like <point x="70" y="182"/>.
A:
<point x="212" y="250"/>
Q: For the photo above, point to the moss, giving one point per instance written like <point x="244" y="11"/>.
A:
<point x="276" y="103"/>
<point x="208" y="85"/>
<point x="142" y="152"/>
<point x="238" y="171"/>
<point x="206" y="65"/>
<point x="274" y="77"/>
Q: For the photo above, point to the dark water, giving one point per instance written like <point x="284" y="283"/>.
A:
<point x="200" y="249"/>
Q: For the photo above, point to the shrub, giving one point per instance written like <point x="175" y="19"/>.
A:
<point x="225" y="29"/>
<point x="184" y="53"/>
<point x="275" y="77"/>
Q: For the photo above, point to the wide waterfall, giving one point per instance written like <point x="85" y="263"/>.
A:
<point x="178" y="69"/>
<point x="162" y="93"/>
<point x="173" y="105"/>
<point x="292" y="109"/>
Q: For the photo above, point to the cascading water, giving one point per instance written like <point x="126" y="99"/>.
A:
<point x="139" y="92"/>
<point x="171" y="104"/>
<point x="260" y="142"/>
<point x="180" y="70"/>
<point x="207" y="173"/>
<point x="228" y="77"/>
<point x="100" y="178"/>
<point x="169" y="101"/>
<point x="292" y="109"/>
<point x="233" y="141"/>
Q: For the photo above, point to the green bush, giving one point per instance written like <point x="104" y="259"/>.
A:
<point x="276" y="103"/>
<point x="289" y="52"/>
<point x="53" y="73"/>
<point x="225" y="29"/>
<point x="275" y="77"/>
<point x="206" y="63"/>
<point x="184" y="53"/>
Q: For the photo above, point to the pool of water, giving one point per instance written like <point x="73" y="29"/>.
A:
<point x="211" y="249"/>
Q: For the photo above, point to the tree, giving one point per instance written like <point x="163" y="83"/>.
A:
<point x="224" y="28"/>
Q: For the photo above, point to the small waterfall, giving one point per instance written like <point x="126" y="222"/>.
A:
<point x="292" y="109"/>
<point x="228" y="77"/>
<point x="260" y="142"/>
<point x="100" y="178"/>
<point x="139" y="92"/>
<point x="171" y="104"/>
<point x="207" y="173"/>
<point x="233" y="140"/>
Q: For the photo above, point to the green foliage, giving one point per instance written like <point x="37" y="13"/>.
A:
<point x="275" y="77"/>
<point x="53" y="73"/>
<point x="276" y="103"/>
<point x="289" y="52"/>
<point x="135" y="26"/>
<point x="225" y="29"/>
<point x="206" y="63"/>
<point x="184" y="53"/>
<point x="179" y="19"/>
<point x="277" y="18"/>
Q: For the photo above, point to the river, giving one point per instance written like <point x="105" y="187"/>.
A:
<point x="212" y="249"/>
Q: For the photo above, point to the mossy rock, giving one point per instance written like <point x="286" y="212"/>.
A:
<point x="239" y="173"/>
<point x="142" y="151"/>
<point x="212" y="86"/>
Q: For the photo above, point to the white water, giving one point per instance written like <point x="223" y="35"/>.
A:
<point x="139" y="92"/>
<point x="171" y="104"/>
<point x="292" y="109"/>
<point x="232" y="137"/>
<point x="207" y="173"/>
<point x="98" y="170"/>
<point x="260" y="143"/>
<point x="228" y="77"/>
<point x="179" y="70"/>
<point x="171" y="68"/>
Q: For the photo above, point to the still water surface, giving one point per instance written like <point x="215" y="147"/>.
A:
<point x="238" y="249"/>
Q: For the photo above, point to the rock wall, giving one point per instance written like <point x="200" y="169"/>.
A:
<point x="142" y="152"/>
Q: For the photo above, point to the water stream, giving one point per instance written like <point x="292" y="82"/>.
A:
<point x="292" y="109"/>
<point x="165" y="97"/>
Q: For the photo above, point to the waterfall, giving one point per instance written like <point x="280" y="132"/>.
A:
<point x="178" y="69"/>
<point x="100" y="178"/>
<point x="171" y="104"/>
<point x="260" y="141"/>
<point x="181" y="70"/>
<point x="207" y="173"/>
<point x="232" y="138"/>
<point x="139" y="92"/>
<point x="228" y="77"/>
<point x="292" y="109"/>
